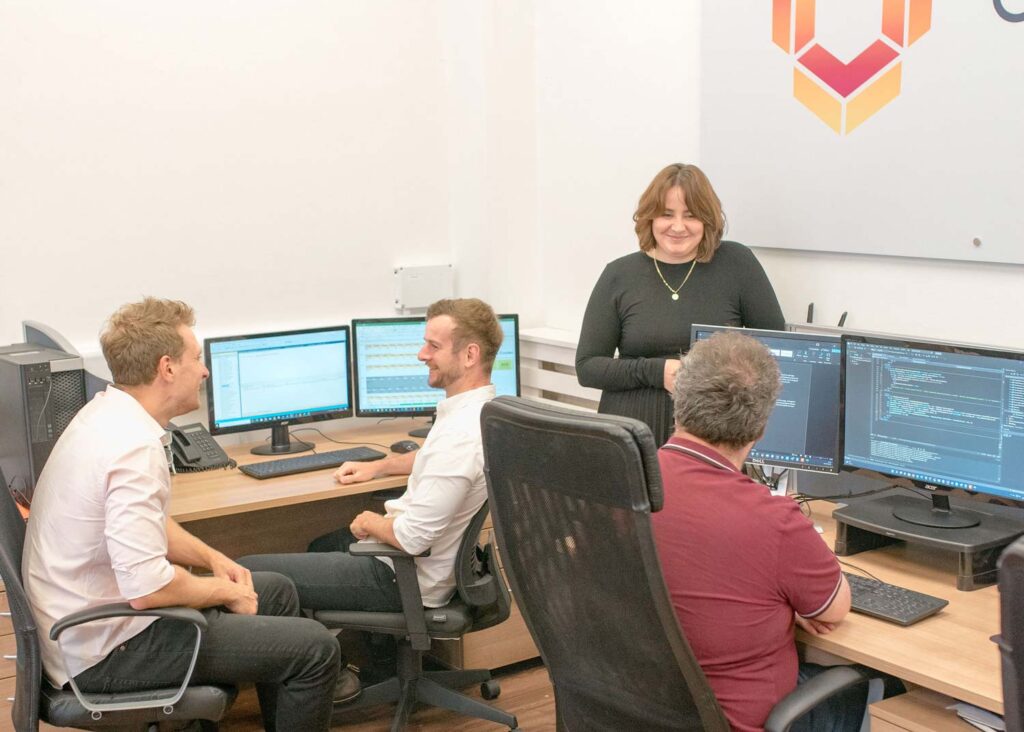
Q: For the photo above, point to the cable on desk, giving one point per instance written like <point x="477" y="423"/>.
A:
<point x="859" y="569"/>
<point x="337" y="442"/>
<point x="772" y="481"/>
<point x="803" y="497"/>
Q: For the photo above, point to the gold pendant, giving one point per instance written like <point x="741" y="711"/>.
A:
<point x="675" y="295"/>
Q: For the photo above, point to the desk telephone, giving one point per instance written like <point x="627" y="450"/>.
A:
<point x="194" y="449"/>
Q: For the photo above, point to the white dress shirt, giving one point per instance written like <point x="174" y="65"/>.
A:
<point x="446" y="489"/>
<point x="97" y="531"/>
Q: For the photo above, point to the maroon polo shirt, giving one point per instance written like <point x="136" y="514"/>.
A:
<point x="738" y="563"/>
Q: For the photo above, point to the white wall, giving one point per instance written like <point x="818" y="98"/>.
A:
<point x="492" y="164"/>
<point x="617" y="95"/>
<point x="617" y="99"/>
<point x="942" y="299"/>
<point x="269" y="162"/>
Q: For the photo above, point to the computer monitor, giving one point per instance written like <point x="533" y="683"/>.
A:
<point x="390" y="381"/>
<point x="278" y="379"/>
<point x="939" y="414"/>
<point x="803" y="429"/>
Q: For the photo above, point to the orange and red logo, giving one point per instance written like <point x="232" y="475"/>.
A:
<point x="844" y="95"/>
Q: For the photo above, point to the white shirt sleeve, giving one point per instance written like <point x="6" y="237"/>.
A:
<point x="444" y="477"/>
<point x="136" y="528"/>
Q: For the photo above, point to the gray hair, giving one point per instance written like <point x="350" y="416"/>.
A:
<point x="726" y="389"/>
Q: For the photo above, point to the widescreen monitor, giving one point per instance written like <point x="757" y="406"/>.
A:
<point x="278" y="379"/>
<point x="803" y="429"/>
<point x="390" y="381"/>
<point x="939" y="414"/>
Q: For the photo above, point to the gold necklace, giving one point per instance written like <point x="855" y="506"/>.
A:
<point x="675" y="292"/>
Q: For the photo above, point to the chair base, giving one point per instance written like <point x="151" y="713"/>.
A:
<point x="415" y="686"/>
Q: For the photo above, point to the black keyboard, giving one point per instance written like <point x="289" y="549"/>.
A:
<point x="306" y="463"/>
<point x="889" y="602"/>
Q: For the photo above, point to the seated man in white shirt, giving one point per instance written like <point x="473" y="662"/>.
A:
<point x="446" y="481"/>
<point x="99" y="532"/>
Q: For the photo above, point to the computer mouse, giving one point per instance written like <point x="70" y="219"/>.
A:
<point x="405" y="446"/>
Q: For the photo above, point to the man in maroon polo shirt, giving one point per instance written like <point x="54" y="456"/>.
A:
<point x="742" y="566"/>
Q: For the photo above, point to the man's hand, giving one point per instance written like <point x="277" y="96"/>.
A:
<point x="671" y="367"/>
<point x="356" y="472"/>
<point x="245" y="601"/>
<point x="815" y="627"/>
<point x="370" y="525"/>
<point x="231" y="571"/>
<point x="361" y="523"/>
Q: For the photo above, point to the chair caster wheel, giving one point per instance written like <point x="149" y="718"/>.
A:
<point x="490" y="689"/>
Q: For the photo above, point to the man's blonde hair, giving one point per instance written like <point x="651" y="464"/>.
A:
<point x="139" y="334"/>
<point x="475" y="322"/>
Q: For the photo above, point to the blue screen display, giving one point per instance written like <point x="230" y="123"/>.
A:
<point x="390" y="379"/>
<point x="951" y="416"/>
<point x="262" y="379"/>
<point x="803" y="429"/>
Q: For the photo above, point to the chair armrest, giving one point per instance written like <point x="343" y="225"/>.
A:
<point x="380" y="549"/>
<point x="810" y="693"/>
<point x="408" y="586"/>
<point x="123" y="609"/>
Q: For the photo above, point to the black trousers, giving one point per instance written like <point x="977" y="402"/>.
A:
<point x="294" y="661"/>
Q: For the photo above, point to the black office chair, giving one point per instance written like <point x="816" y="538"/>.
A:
<point x="36" y="700"/>
<point x="1011" y="639"/>
<point x="571" y="495"/>
<point x="480" y="601"/>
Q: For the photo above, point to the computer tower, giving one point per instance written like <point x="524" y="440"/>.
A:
<point x="41" y="390"/>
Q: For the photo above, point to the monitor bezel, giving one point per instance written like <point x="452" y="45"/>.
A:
<point x="304" y="419"/>
<point x="830" y="338"/>
<point x="941" y="346"/>
<point x="361" y="411"/>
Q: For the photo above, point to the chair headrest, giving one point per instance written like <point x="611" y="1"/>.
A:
<point x="573" y="428"/>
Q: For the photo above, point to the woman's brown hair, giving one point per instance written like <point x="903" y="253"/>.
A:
<point x="700" y="198"/>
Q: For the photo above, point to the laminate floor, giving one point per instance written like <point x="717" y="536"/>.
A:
<point x="525" y="692"/>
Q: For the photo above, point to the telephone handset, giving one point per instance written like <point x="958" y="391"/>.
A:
<point x="194" y="449"/>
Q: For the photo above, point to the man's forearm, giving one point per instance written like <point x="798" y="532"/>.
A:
<point x="374" y="526"/>
<point x="397" y="464"/>
<point x="190" y="591"/>
<point x="187" y="550"/>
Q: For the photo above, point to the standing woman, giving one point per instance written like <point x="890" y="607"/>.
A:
<point x="644" y="303"/>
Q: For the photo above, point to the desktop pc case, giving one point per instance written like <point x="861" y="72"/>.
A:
<point x="41" y="390"/>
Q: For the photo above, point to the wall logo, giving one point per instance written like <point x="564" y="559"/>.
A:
<point x="842" y="95"/>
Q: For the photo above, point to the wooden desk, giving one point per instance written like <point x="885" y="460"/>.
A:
<point x="950" y="652"/>
<point x="239" y="515"/>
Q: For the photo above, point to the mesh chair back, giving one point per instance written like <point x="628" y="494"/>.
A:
<point x="478" y="580"/>
<point x="25" y="710"/>
<point x="1011" y="640"/>
<point x="571" y="496"/>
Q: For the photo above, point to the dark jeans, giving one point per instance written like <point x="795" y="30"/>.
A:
<point x="843" y="712"/>
<point x="294" y="661"/>
<point x="329" y="578"/>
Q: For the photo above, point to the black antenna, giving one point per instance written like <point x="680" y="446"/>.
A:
<point x="810" y="312"/>
<point x="842" y="320"/>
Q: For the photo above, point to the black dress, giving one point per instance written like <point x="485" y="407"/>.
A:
<point x="631" y="310"/>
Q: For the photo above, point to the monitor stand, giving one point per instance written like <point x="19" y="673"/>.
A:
<point x="421" y="431"/>
<point x="874" y="523"/>
<point x="281" y="443"/>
